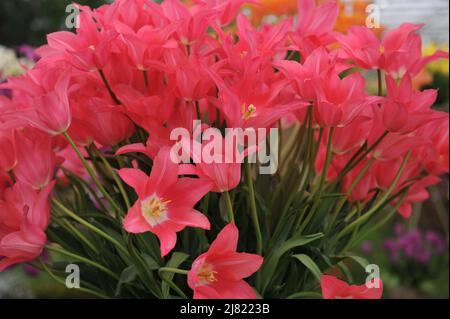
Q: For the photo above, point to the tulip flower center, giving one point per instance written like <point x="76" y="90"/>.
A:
<point x="206" y="274"/>
<point x="154" y="210"/>
<point x="248" y="112"/>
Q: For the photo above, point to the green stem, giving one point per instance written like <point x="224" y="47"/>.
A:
<point x="145" y="75"/>
<point x="229" y="207"/>
<point x="173" y="270"/>
<point x="91" y="172"/>
<point x="197" y="109"/>
<point x="377" y="225"/>
<point x="82" y="259"/>
<point x="114" y="175"/>
<point x="89" y="226"/>
<point x="380" y="82"/>
<point x="348" y="193"/>
<point x="62" y="282"/>
<point x="328" y="158"/>
<point x="88" y="187"/>
<point x="108" y="87"/>
<point x="316" y="194"/>
<point x="11" y="176"/>
<point x="380" y="203"/>
<point x="354" y="161"/>
<point x="71" y="228"/>
<point x="280" y="145"/>
<point x="252" y="202"/>
<point x="305" y="294"/>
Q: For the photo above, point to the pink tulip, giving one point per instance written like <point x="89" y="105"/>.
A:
<point x="36" y="159"/>
<point x="87" y="50"/>
<point x="108" y="125"/>
<point x="165" y="204"/>
<point x="41" y="100"/>
<point x="399" y="53"/>
<point x="404" y="109"/>
<point x="222" y="167"/>
<point x="227" y="9"/>
<point x="8" y="154"/>
<point x="333" y="288"/>
<point x="315" y="25"/>
<point x="24" y="216"/>
<point x="219" y="273"/>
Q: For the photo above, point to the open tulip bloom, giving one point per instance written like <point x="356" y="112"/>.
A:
<point x="92" y="171"/>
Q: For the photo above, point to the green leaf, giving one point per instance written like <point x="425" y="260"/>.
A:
<point x="151" y="263"/>
<point x="305" y="294"/>
<point x="176" y="260"/>
<point x="223" y="210"/>
<point x="310" y="264"/>
<point x="127" y="276"/>
<point x="271" y="262"/>
<point x="359" y="260"/>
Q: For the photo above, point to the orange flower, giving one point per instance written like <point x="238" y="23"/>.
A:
<point x="350" y="13"/>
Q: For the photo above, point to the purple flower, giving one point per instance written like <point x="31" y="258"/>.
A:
<point x="5" y="92"/>
<point x="366" y="247"/>
<point x="423" y="256"/>
<point x="399" y="229"/>
<point x="29" y="52"/>
<point x="436" y="241"/>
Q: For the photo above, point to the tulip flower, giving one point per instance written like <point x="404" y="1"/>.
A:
<point x="108" y="125"/>
<point x="24" y="216"/>
<point x="315" y="25"/>
<point x="217" y="160"/>
<point x="165" y="204"/>
<point x="333" y="288"/>
<point x="8" y="154"/>
<point x="399" y="52"/>
<point x="36" y="159"/>
<point x="41" y="100"/>
<point x="219" y="273"/>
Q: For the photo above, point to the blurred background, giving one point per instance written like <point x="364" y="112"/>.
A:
<point x="412" y="255"/>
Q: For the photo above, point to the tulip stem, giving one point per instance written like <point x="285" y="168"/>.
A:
<point x="145" y="75"/>
<point x="82" y="259"/>
<point x="173" y="270"/>
<point x="316" y="194"/>
<point x="91" y="172"/>
<point x="328" y="157"/>
<point x="11" y="176"/>
<point x="358" y="157"/>
<point x="108" y="87"/>
<point x="62" y="282"/>
<point x="89" y="226"/>
<point x="114" y="176"/>
<point x="380" y="203"/>
<point x="170" y="282"/>
<point x="380" y="82"/>
<point x="342" y="201"/>
<point x="229" y="207"/>
<point x="252" y="200"/>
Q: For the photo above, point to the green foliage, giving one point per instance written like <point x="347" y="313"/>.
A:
<point x="28" y="21"/>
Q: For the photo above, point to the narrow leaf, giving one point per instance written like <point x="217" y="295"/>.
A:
<point x="310" y="264"/>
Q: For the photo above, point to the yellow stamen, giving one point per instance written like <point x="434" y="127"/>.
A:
<point x="154" y="209"/>
<point x="206" y="274"/>
<point x="248" y="112"/>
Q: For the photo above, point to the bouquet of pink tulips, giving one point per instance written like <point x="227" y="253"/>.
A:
<point x="174" y="151"/>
